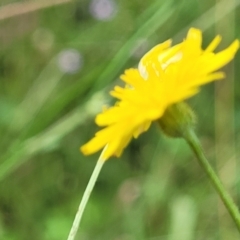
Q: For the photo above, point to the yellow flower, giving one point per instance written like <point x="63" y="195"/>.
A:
<point x="166" y="75"/>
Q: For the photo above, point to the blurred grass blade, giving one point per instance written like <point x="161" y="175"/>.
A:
<point x="37" y="95"/>
<point x="50" y="138"/>
<point x="208" y="18"/>
<point x="153" y="18"/>
<point x="183" y="218"/>
<point x="16" y="9"/>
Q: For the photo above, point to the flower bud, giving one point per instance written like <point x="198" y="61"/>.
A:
<point x="177" y="120"/>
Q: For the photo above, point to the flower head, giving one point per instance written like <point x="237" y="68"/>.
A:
<point x="166" y="75"/>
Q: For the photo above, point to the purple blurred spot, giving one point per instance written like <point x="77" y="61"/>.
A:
<point x="103" y="9"/>
<point x="70" y="61"/>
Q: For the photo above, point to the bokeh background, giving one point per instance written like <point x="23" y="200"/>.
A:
<point x="58" y="61"/>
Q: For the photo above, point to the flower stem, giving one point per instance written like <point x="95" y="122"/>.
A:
<point x="86" y="195"/>
<point x="195" y="145"/>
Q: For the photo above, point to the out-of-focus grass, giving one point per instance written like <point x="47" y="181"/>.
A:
<point x="156" y="190"/>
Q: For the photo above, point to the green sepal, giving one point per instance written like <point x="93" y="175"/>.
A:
<point x="177" y="120"/>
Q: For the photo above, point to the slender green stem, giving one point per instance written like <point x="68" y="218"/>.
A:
<point x="86" y="195"/>
<point x="195" y="145"/>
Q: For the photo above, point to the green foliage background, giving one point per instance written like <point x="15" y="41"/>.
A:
<point x="156" y="190"/>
